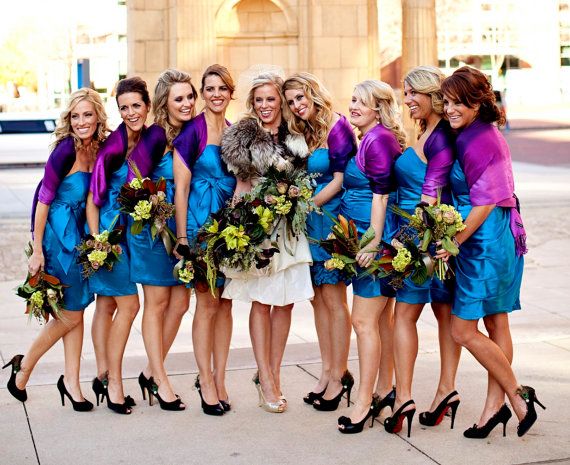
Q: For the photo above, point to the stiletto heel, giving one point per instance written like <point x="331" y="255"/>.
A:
<point x="145" y="385"/>
<point x="346" y="426"/>
<point x="394" y="423"/>
<point x="271" y="407"/>
<point x="16" y="364"/>
<point x="216" y="410"/>
<point x="99" y="387"/>
<point x="389" y="399"/>
<point x="503" y="415"/>
<point x="528" y="394"/>
<point x="434" y="418"/>
<point x="81" y="406"/>
<point x="326" y="405"/>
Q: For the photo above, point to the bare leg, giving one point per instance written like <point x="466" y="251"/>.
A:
<point x="101" y="325"/>
<point x="223" y="328"/>
<point x="385" y="381"/>
<point x="323" y="325"/>
<point x="72" y="346"/>
<point x="280" y="326"/>
<point x="127" y="309"/>
<point x="260" y="332"/>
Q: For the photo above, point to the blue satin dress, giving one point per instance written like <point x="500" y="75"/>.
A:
<point x="319" y="225"/>
<point x="356" y="204"/>
<point x="488" y="272"/>
<point x="410" y="172"/>
<point x="211" y="187"/>
<point x="64" y="230"/>
<point x="116" y="282"/>
<point x="149" y="262"/>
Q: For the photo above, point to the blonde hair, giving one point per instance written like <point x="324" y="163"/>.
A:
<point x="316" y="130"/>
<point x="160" y="100"/>
<point x="427" y="80"/>
<point x="380" y="97"/>
<point x="260" y="81"/>
<point x="63" y="128"/>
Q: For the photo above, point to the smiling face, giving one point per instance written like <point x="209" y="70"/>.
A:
<point x="267" y="105"/>
<point x="419" y="104"/>
<point x="83" y="120"/>
<point x="216" y="94"/>
<point x="180" y="103"/>
<point x="299" y="104"/>
<point x="133" y="110"/>
<point x="460" y="115"/>
<point x="361" y="116"/>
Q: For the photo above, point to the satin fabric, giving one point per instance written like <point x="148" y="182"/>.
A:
<point x="410" y="171"/>
<point x="63" y="232"/>
<point x="356" y="204"/>
<point x="439" y="150"/>
<point x="488" y="271"/>
<point x="116" y="282"/>
<point x="149" y="261"/>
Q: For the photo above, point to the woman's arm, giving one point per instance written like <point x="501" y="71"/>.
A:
<point x="92" y="213"/>
<point x="377" y="219"/>
<point x="242" y="187"/>
<point x="182" y="178"/>
<point x="330" y="190"/>
<point x="36" y="262"/>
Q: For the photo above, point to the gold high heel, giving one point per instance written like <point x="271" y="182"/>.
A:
<point x="272" y="407"/>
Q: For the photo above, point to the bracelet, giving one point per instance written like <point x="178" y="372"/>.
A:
<point x="182" y="237"/>
<point x="456" y="242"/>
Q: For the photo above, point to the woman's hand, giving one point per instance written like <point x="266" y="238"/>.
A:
<point x="36" y="262"/>
<point x="364" y="258"/>
<point x="441" y="253"/>
<point x="181" y="241"/>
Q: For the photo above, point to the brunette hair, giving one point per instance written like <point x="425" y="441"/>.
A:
<point x="471" y="87"/>
<point x="134" y="84"/>
<point x="380" y="97"/>
<point x="427" y="80"/>
<point x="316" y="130"/>
<point x="223" y="73"/>
<point x="63" y="128"/>
<point x="160" y="100"/>
<point x="262" y="80"/>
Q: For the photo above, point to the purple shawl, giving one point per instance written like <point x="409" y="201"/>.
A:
<point x="376" y="156"/>
<point x="148" y="152"/>
<point x="110" y="157"/>
<point x="439" y="150"/>
<point x="342" y="145"/>
<point x="192" y="140"/>
<point x="486" y="161"/>
<point x="59" y="164"/>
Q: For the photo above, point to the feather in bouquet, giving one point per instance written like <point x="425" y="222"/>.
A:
<point x="100" y="251"/>
<point x="43" y="294"/>
<point x="435" y="223"/>
<point x="145" y="201"/>
<point x="343" y="243"/>
<point x="237" y="238"/>
<point x="288" y="195"/>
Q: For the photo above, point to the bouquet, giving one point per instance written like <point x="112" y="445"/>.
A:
<point x="145" y="201"/>
<point x="43" y="294"/>
<point x="191" y="268"/>
<point x="237" y="237"/>
<point x="288" y="196"/>
<point x="100" y="250"/>
<point x="438" y="223"/>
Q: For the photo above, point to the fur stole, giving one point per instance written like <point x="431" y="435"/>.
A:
<point x="248" y="150"/>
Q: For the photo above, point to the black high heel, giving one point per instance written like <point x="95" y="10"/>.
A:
<point x="352" y="428"/>
<point x="146" y="386"/>
<point x="209" y="409"/>
<point x="328" y="405"/>
<point x="394" y="423"/>
<point x="226" y="405"/>
<point x="389" y="400"/>
<point x="173" y="406"/>
<point x="312" y="396"/>
<point x="503" y="415"/>
<point x="99" y="388"/>
<point x="529" y="396"/>
<point x="434" y="418"/>
<point x="81" y="406"/>
<point x="16" y="364"/>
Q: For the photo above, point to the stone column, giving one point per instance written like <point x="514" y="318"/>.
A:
<point x="419" y="43"/>
<point x="373" y="58"/>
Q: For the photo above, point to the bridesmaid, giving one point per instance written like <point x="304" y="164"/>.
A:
<point x="203" y="186"/>
<point x="58" y="222"/>
<point x="367" y="183"/>
<point x="117" y="301"/>
<point x="250" y="147"/>
<point x="332" y="143"/>
<point x="489" y="266"/>
<point x="422" y="171"/>
<point x="165" y="300"/>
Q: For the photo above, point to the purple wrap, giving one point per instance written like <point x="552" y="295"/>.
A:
<point x="486" y="161"/>
<point x="148" y="152"/>
<point x="59" y="164"/>
<point x="342" y="145"/>
<point x="376" y="156"/>
<point x="439" y="152"/>
<point x="110" y="157"/>
<point x="192" y="140"/>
